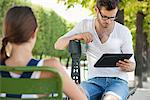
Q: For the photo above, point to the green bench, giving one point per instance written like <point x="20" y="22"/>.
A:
<point x="44" y="86"/>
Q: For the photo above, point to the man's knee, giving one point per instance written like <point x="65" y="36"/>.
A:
<point x="110" y="97"/>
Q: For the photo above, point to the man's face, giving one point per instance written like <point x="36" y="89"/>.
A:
<point x="106" y="17"/>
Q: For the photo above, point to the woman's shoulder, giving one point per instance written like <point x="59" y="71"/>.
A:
<point x="51" y="62"/>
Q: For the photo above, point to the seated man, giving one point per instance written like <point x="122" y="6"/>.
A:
<point x="103" y="35"/>
<point x="20" y="28"/>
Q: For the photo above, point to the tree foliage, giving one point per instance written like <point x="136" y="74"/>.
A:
<point x="51" y="27"/>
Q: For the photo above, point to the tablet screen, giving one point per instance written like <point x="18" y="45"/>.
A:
<point x="110" y="60"/>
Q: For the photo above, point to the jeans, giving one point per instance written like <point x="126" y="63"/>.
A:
<point x="97" y="87"/>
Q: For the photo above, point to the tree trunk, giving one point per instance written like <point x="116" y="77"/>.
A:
<point x="145" y="57"/>
<point x="41" y="55"/>
<point x="67" y="64"/>
<point x="148" y="59"/>
<point x="139" y="46"/>
<point x="60" y="58"/>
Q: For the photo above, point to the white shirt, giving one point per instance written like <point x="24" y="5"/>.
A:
<point x="119" y="41"/>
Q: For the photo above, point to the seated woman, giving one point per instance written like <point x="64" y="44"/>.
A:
<point x="20" y="27"/>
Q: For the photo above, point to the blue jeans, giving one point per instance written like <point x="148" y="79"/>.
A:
<point x="97" y="87"/>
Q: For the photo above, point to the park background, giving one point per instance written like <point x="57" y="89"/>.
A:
<point x="53" y="23"/>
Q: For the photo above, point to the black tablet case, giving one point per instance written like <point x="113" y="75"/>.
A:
<point x="109" y="60"/>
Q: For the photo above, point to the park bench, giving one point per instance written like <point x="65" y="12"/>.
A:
<point x="17" y="86"/>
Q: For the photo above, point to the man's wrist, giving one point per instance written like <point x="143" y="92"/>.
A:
<point x="75" y="37"/>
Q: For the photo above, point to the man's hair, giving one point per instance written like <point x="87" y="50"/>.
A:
<point x="108" y="4"/>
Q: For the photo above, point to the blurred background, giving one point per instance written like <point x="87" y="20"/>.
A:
<point x="56" y="17"/>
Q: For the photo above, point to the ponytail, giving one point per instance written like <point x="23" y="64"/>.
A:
<point x="3" y="55"/>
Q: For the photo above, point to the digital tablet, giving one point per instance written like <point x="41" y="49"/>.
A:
<point x="110" y="60"/>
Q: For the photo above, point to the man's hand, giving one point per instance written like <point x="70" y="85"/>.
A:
<point x="86" y="36"/>
<point x="63" y="42"/>
<point x="126" y="65"/>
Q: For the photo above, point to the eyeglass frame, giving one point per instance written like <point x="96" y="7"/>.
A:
<point x="106" y="17"/>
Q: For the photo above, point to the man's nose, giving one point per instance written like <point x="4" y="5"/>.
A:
<point x="108" y="21"/>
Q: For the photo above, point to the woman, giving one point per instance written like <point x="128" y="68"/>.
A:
<point x="20" y="28"/>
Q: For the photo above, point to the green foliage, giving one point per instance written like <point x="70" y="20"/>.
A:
<point x="131" y="8"/>
<point x="51" y="27"/>
<point x="89" y="4"/>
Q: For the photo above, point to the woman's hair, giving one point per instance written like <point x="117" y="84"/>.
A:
<point x="19" y="25"/>
<point x="108" y="4"/>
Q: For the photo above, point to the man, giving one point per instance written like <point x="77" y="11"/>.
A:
<point x="103" y="35"/>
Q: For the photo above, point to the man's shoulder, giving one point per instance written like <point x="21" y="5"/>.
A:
<point x="87" y="20"/>
<point x="122" y="31"/>
<point x="122" y="27"/>
<point x="86" y="24"/>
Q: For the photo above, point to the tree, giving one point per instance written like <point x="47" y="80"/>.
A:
<point x="51" y="27"/>
<point x="139" y="46"/>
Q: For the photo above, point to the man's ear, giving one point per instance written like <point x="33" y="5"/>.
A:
<point x="96" y="9"/>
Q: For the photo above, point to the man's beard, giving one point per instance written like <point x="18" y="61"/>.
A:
<point x="105" y="25"/>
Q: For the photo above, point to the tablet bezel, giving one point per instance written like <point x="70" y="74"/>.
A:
<point x="109" y="60"/>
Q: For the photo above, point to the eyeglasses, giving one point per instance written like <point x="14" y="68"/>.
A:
<point x="106" y="17"/>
